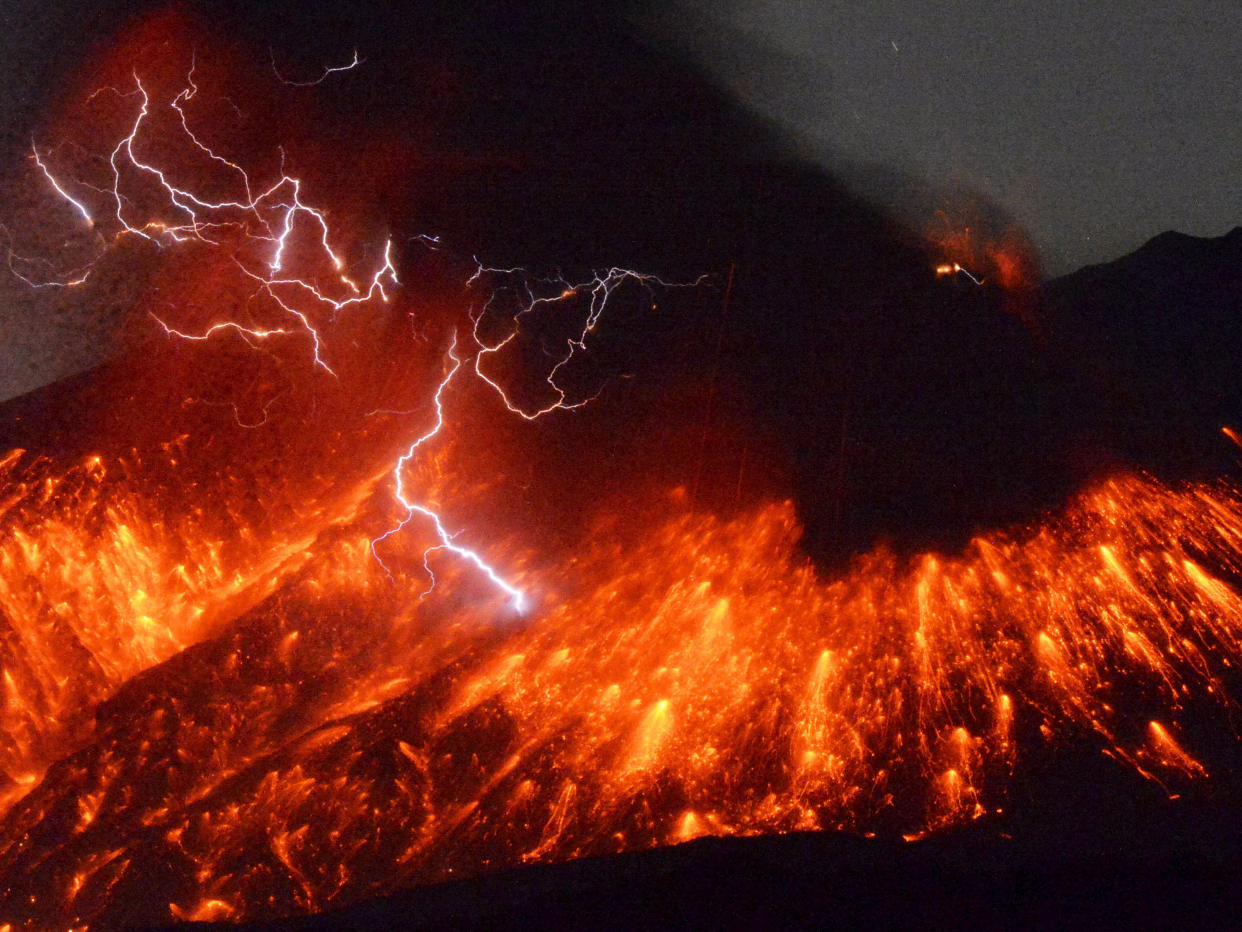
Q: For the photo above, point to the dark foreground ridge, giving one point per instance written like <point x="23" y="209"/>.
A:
<point x="1070" y="859"/>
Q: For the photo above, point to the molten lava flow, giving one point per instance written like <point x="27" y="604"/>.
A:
<point x="273" y="665"/>
<point x="354" y="734"/>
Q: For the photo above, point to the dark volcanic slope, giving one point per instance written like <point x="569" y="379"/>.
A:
<point x="1058" y="864"/>
<point x="1153" y="346"/>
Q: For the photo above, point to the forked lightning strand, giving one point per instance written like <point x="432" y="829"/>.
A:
<point x="272" y="217"/>
<point x="413" y="508"/>
<point x="600" y="289"/>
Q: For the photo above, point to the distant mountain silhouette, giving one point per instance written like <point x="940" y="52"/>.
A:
<point x="1151" y="353"/>
<point x="922" y="412"/>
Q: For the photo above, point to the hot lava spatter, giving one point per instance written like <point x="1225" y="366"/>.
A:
<point x="352" y="734"/>
<point x="264" y="703"/>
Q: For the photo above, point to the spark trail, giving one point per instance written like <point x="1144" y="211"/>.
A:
<point x="955" y="269"/>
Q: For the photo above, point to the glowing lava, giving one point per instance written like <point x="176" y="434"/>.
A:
<point x="220" y="704"/>
<point x="354" y="734"/>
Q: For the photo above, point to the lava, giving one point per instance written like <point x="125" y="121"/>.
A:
<point x="353" y="734"/>
<point x="234" y="689"/>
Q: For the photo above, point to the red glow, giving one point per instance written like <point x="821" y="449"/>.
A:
<point x="219" y="704"/>
<point x="968" y="243"/>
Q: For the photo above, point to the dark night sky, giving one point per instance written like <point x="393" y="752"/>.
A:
<point x="1096" y="125"/>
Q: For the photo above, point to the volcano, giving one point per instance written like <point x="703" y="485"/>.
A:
<point x="519" y="475"/>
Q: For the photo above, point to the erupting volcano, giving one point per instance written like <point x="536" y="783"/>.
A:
<point x="372" y="564"/>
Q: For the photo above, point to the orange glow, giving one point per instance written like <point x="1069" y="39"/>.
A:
<point x="967" y="242"/>
<point x="691" y="677"/>
<point x="209" y="675"/>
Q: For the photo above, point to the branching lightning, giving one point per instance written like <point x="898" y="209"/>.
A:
<point x="412" y="508"/>
<point x="273" y="217"/>
<point x="600" y="288"/>
<point x="68" y="279"/>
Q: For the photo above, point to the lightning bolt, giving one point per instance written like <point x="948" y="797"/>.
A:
<point x="327" y="72"/>
<point x="600" y="289"/>
<point x="72" y="278"/>
<point x="81" y="209"/>
<point x="273" y="213"/>
<point x="413" y="508"/>
<point x="277" y="213"/>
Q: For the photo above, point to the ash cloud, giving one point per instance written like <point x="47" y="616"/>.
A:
<point x="1097" y="126"/>
<point x="890" y="404"/>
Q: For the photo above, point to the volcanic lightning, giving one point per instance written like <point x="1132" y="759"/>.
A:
<point x="284" y="197"/>
<point x="600" y="289"/>
<point x="413" y="508"/>
<point x="316" y="724"/>
<point x="327" y="72"/>
<point x="34" y="150"/>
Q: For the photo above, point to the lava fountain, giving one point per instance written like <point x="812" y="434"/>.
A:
<point x="286" y="638"/>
